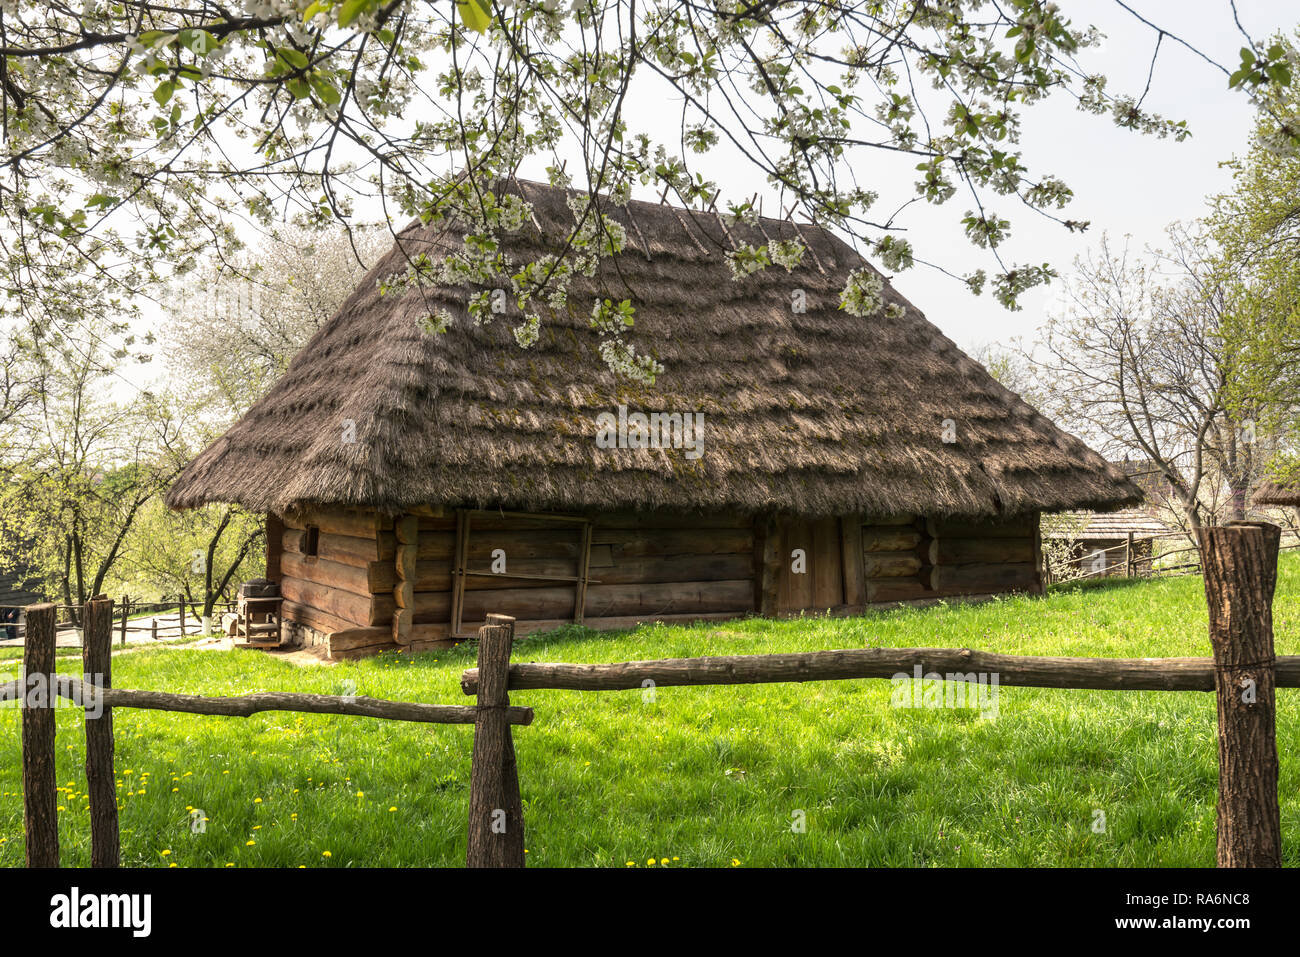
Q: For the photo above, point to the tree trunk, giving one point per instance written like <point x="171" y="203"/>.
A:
<point x="1240" y="565"/>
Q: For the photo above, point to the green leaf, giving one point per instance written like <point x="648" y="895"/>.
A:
<point x="476" y="14"/>
<point x="294" y="58"/>
<point x="326" y="90"/>
<point x="351" y="9"/>
<point x="163" y="92"/>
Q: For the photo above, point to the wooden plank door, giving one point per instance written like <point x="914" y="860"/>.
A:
<point x="814" y="580"/>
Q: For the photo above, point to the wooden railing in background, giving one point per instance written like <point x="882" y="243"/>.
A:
<point x="161" y="623"/>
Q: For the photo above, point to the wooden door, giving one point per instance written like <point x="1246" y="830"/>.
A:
<point x="811" y="574"/>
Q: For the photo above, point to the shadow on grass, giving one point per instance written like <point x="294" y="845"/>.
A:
<point x="1101" y="584"/>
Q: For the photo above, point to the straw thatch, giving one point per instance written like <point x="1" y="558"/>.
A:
<point x="817" y="413"/>
<point x="1276" y="493"/>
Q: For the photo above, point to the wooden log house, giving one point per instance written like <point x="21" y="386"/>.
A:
<point x="415" y="482"/>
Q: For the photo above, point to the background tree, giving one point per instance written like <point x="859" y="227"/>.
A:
<point x="80" y="466"/>
<point x="233" y="326"/>
<point x="1144" y="363"/>
<point x="1256" y="224"/>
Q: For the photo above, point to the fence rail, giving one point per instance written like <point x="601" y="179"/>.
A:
<point x="1024" y="671"/>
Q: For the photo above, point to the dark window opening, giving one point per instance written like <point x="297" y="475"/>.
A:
<point x="311" y="542"/>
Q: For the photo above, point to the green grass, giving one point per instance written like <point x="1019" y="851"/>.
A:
<point x="701" y="776"/>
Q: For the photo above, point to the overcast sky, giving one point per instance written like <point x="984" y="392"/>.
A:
<point x="1124" y="183"/>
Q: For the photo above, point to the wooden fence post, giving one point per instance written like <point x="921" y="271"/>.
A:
<point x="1240" y="565"/>
<point x="126" y="610"/>
<point x="496" y="814"/>
<point x="97" y="667"/>
<point x="40" y="795"/>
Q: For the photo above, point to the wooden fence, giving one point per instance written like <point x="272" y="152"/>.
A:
<point x="1240" y="564"/>
<point x="158" y="621"/>
<point x="40" y="688"/>
<point x="1132" y="563"/>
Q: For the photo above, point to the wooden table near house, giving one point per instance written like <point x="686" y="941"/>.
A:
<point x="260" y="623"/>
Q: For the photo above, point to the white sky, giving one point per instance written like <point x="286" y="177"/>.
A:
<point x="1125" y="183"/>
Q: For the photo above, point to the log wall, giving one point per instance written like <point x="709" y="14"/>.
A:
<point x="345" y="595"/>
<point x="383" y="583"/>
<point x="909" y="558"/>
<point x="530" y="568"/>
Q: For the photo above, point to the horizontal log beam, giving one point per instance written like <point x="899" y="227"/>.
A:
<point x="1103" y="674"/>
<point x="337" y="522"/>
<point x="314" y="618"/>
<point x="363" y="580"/>
<point x="890" y="539"/>
<point x="652" y="542"/>
<point x="244" y="705"/>
<point x="356" y="609"/>
<point x="1016" y="527"/>
<point x="891" y="564"/>
<point x="957" y="551"/>
<point x="345" y="549"/>
<point x="985" y="577"/>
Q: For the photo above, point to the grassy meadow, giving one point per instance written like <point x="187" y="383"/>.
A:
<point x="712" y="777"/>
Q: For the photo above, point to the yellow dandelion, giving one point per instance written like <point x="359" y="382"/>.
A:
<point x="249" y="843"/>
<point x="326" y="854"/>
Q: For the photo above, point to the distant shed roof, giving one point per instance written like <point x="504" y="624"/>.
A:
<point x="1109" y="525"/>
<point x="815" y="412"/>
<point x="1277" y="493"/>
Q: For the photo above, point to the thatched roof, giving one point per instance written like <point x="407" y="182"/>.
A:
<point x="1276" y="493"/>
<point x="1085" y="526"/>
<point x="820" y="412"/>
